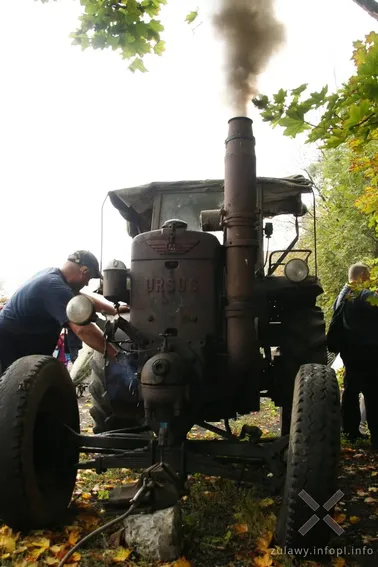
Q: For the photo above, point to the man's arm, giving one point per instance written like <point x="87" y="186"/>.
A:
<point x="104" y="306"/>
<point x="92" y="336"/>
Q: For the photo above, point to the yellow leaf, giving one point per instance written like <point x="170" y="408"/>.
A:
<point x="182" y="562"/>
<point x="5" y="556"/>
<point x="72" y="564"/>
<point x="354" y="519"/>
<point x="86" y="496"/>
<point x="263" y="560"/>
<point x="374" y="473"/>
<point x="74" y="536"/>
<point x="340" y="518"/>
<point x="7" y="543"/>
<point x="338" y="562"/>
<point x="20" y="549"/>
<point x="266" y="502"/>
<point x="373" y="489"/>
<point x="6" y="531"/>
<point x="41" y="542"/>
<point x="36" y="553"/>
<point x="121" y="554"/>
<point x="51" y="561"/>
<point x="264" y="541"/>
<point x="58" y="549"/>
<point x="76" y="556"/>
<point x="241" y="528"/>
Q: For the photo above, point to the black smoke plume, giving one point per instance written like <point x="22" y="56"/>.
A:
<point x="252" y="35"/>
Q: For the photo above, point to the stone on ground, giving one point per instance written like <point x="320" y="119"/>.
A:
<point x="156" y="536"/>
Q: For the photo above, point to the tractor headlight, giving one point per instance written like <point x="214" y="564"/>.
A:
<point x="296" y="270"/>
<point x="81" y="310"/>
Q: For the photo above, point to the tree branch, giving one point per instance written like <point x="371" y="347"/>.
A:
<point x="370" y="6"/>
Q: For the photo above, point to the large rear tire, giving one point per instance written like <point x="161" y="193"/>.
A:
<point x="313" y="457"/>
<point x="39" y="455"/>
<point x="303" y="342"/>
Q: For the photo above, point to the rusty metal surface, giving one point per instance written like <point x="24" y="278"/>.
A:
<point x="242" y="220"/>
<point x="175" y="284"/>
<point x="211" y="221"/>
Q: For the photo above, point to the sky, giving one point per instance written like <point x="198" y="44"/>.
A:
<point x="75" y="125"/>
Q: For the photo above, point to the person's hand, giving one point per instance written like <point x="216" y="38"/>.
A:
<point x="123" y="309"/>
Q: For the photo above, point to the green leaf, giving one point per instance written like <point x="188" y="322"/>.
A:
<point x="261" y="102"/>
<point x="299" y="90"/>
<point x="191" y="17"/>
<point x="137" y="65"/>
<point x="357" y="113"/>
<point x="159" y="48"/>
<point x="156" y="26"/>
<point x="293" y="125"/>
<point x="280" y="96"/>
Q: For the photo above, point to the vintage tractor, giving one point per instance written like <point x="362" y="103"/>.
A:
<point x="215" y="324"/>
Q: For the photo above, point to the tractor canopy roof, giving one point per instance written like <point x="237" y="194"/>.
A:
<point x="147" y="206"/>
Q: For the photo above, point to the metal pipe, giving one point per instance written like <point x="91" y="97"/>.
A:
<point x="102" y="232"/>
<point x="241" y="219"/>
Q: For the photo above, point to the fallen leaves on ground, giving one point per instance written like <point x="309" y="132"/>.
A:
<point x="45" y="547"/>
<point x="244" y="537"/>
<point x="121" y="555"/>
<point x="8" y="540"/>
<point x="241" y="528"/>
<point x="338" y="562"/>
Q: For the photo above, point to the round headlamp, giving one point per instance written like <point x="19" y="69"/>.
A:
<point x="296" y="270"/>
<point x="81" y="310"/>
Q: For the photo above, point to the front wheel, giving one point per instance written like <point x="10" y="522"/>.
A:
<point x="39" y="455"/>
<point x="310" y="492"/>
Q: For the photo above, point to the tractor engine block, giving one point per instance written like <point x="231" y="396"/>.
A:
<point x="176" y="282"/>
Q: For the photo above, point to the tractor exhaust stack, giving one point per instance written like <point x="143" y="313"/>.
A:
<point x="242" y="224"/>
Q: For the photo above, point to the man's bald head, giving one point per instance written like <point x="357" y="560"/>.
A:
<point x="358" y="273"/>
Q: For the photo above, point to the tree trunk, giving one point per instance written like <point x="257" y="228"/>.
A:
<point x="370" y="6"/>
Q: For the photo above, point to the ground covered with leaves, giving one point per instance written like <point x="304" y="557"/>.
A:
<point x="225" y="524"/>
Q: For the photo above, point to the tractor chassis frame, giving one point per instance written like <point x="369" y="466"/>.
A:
<point x="231" y="459"/>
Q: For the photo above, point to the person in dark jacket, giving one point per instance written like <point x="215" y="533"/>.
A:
<point x="359" y="352"/>
<point x="34" y="316"/>
<point x="72" y="345"/>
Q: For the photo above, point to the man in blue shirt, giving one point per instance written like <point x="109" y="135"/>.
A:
<point x="33" y="318"/>
<point x="359" y="353"/>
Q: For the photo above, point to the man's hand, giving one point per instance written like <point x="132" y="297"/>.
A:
<point x="123" y="309"/>
<point x="92" y="336"/>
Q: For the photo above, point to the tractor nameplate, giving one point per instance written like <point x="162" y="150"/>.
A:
<point x="163" y="247"/>
<point x="171" y="285"/>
